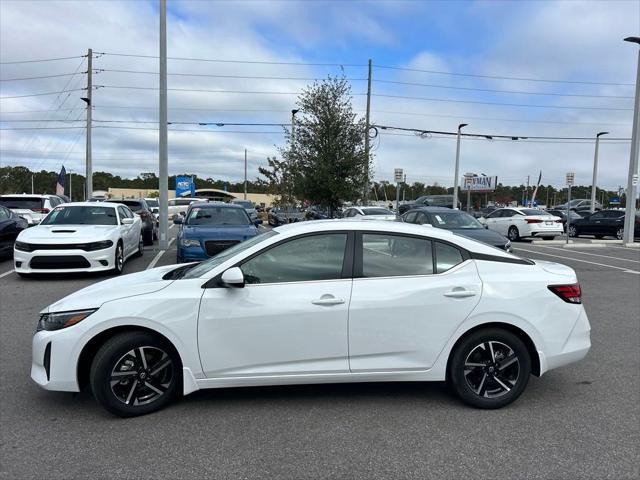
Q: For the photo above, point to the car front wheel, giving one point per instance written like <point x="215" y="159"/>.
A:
<point x="573" y="231"/>
<point x="513" y="234"/>
<point x="620" y="233"/>
<point x="118" y="260"/>
<point x="135" y="373"/>
<point x="489" y="368"/>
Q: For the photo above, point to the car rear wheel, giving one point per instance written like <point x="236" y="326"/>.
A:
<point x="489" y="368"/>
<point x="513" y="234"/>
<point x="572" y="231"/>
<point x="135" y="373"/>
<point x="620" y="233"/>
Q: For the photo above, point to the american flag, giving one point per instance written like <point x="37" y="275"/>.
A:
<point x="61" y="181"/>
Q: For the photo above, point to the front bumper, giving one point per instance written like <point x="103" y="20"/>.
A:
<point x="191" y="254"/>
<point x="55" y="370"/>
<point x="64" y="261"/>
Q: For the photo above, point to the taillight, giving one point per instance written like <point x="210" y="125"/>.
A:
<point x="40" y="210"/>
<point x="568" y="293"/>
<point x="533" y="220"/>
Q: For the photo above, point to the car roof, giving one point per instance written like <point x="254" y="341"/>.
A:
<point x="215" y="204"/>
<point x="90" y="204"/>
<point x="35" y="195"/>
<point x="432" y="209"/>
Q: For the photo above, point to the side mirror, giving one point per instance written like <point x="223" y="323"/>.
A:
<point x="233" y="277"/>
<point x="127" y="221"/>
<point x="178" y="220"/>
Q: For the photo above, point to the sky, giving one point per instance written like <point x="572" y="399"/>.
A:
<point x="560" y="69"/>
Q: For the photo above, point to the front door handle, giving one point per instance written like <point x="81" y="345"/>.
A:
<point x="328" y="300"/>
<point x="460" y="293"/>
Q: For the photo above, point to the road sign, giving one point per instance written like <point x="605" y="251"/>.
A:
<point x="398" y="175"/>
<point x="570" y="178"/>
<point x="614" y="201"/>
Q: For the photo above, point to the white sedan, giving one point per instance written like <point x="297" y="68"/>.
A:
<point x="369" y="213"/>
<point x="80" y="237"/>
<point x="318" y="302"/>
<point x="517" y="223"/>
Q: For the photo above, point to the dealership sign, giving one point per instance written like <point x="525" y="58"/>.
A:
<point x="480" y="183"/>
<point x="185" y="187"/>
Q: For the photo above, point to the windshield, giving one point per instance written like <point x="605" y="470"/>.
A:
<point x="376" y="211"/>
<point x="533" y="211"/>
<point x="27" y="203"/>
<point x="217" y="216"/>
<point x="69" y="215"/>
<point x="153" y="203"/>
<point x="225" y="255"/>
<point x="453" y="220"/>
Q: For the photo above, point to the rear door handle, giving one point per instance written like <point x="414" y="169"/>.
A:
<point x="460" y="293"/>
<point x="328" y="300"/>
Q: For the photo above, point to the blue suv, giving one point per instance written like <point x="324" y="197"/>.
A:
<point x="209" y="228"/>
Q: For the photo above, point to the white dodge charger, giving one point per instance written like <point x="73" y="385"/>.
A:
<point x="318" y="302"/>
<point x="79" y="237"/>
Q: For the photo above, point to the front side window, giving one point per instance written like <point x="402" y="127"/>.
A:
<point x="81" y="216"/>
<point x="385" y="255"/>
<point x="495" y="214"/>
<point x="410" y="217"/>
<point x="305" y="259"/>
<point x="447" y="257"/>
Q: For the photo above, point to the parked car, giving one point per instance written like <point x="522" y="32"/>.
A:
<point x="562" y="215"/>
<point x="250" y="208"/>
<point x="429" y="201"/>
<point x="600" y="224"/>
<point x="179" y="206"/>
<point x="579" y="204"/>
<point x="287" y="214"/>
<point x="517" y="223"/>
<point x="150" y="226"/>
<point x="369" y="213"/>
<point x="33" y="208"/>
<point x="316" y="302"/>
<point x="483" y="212"/>
<point x="154" y="206"/>
<point x="80" y="237"/>
<point x="458" y="222"/>
<point x="209" y="228"/>
<point x="11" y="224"/>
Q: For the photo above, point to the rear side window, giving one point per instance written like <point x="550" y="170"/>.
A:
<point x="447" y="257"/>
<point x="27" y="203"/>
<point x="385" y="255"/>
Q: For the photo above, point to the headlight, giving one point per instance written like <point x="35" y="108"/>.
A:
<point x="56" y="321"/>
<point x="186" y="242"/>
<point x="99" y="245"/>
<point x="23" y="247"/>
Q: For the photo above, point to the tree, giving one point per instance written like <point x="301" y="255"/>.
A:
<point x="324" y="162"/>
<point x="278" y="181"/>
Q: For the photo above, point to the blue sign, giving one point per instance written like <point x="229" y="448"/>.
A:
<point x="185" y="187"/>
<point x="614" y="200"/>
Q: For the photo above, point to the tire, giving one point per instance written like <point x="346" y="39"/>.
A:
<point x="513" y="234"/>
<point x="147" y="235"/>
<point x="474" y="371"/>
<point x="136" y="390"/>
<point x="140" y="251"/>
<point x="620" y="233"/>
<point x="573" y="231"/>
<point x="118" y="260"/>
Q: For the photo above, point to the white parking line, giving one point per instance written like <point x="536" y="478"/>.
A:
<point x="592" y="254"/>
<point x="6" y="273"/>
<point x="626" y="270"/>
<point x="159" y="255"/>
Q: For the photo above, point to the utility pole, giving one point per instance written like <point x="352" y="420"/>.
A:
<point x="595" y="172"/>
<point x="70" y="187"/>
<point x="32" y="192"/>
<point x="245" y="173"/>
<point x="526" y="195"/>
<point x="632" y="183"/>
<point x="457" y="168"/>
<point x="163" y="144"/>
<point x="87" y="100"/>
<point x="366" y="136"/>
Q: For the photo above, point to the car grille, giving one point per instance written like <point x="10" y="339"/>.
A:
<point x="31" y="247"/>
<point x="213" y="247"/>
<point x="54" y="262"/>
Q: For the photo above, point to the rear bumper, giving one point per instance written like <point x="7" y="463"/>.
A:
<point x="575" y="348"/>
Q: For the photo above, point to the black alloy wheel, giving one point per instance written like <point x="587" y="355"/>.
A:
<point x="513" y="234"/>
<point x="118" y="260"/>
<point x="135" y="373"/>
<point x="489" y="368"/>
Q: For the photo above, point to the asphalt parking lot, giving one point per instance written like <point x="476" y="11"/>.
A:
<point x="581" y="421"/>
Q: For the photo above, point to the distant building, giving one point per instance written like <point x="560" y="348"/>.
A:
<point x="257" y="198"/>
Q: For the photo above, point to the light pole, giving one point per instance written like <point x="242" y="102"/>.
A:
<point x="293" y="127"/>
<point x="595" y="172"/>
<point x="455" y="175"/>
<point x="629" y="213"/>
<point x="163" y="161"/>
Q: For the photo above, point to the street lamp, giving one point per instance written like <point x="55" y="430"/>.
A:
<point x="595" y="172"/>
<point x="293" y="127"/>
<point x="455" y="176"/>
<point x="629" y="214"/>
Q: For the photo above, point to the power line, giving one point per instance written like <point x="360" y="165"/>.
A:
<point x="188" y="130"/>
<point x="527" y="105"/>
<point x="497" y="77"/>
<point x="265" y="92"/>
<point x="41" y="60"/>
<point x="522" y="140"/>
<point x="259" y="62"/>
<point x="37" y="78"/>
<point x="43" y="111"/>
<point x="42" y="94"/>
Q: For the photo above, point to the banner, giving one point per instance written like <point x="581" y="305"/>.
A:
<point x="61" y="181"/>
<point x="480" y="183"/>
<point x="185" y="187"/>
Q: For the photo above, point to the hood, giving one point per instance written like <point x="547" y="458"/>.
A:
<point x="219" y="232"/>
<point x="483" y="235"/>
<point x="66" y="233"/>
<point x="95" y="295"/>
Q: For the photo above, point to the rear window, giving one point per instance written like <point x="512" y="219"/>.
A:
<point x="153" y="203"/>
<point x="376" y="211"/>
<point x="132" y="204"/>
<point x="533" y="211"/>
<point x="27" y="203"/>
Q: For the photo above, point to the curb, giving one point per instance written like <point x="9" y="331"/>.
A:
<point x="584" y="245"/>
<point x="550" y="242"/>
<point x="632" y="245"/>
